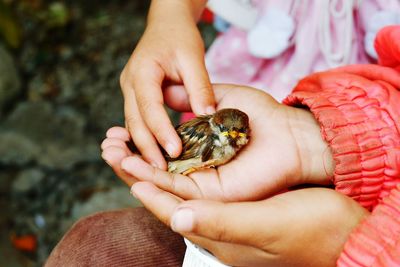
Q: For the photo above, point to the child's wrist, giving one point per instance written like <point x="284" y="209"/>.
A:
<point x="163" y="10"/>
<point x="314" y="151"/>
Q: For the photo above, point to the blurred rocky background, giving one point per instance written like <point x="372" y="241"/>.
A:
<point x="59" y="92"/>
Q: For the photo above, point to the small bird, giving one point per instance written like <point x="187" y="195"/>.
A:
<point x="210" y="140"/>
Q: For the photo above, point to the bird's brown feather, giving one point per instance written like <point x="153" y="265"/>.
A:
<point x="197" y="139"/>
<point x="206" y="142"/>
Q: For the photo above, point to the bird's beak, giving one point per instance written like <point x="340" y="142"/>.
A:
<point x="233" y="134"/>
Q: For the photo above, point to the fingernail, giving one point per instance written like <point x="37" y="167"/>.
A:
<point x="125" y="165"/>
<point x="104" y="157"/>
<point x="170" y="149"/>
<point x="182" y="220"/>
<point x="210" y="110"/>
<point x="133" y="193"/>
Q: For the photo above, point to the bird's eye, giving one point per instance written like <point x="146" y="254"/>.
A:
<point x="222" y="128"/>
<point x="242" y="130"/>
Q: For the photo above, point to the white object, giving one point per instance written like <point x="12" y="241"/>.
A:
<point x="336" y="55"/>
<point x="378" y="21"/>
<point x="271" y="34"/>
<point x="196" y="256"/>
<point x="239" y="13"/>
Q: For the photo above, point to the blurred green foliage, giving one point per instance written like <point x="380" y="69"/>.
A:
<point x="50" y="14"/>
<point x="56" y="15"/>
<point x="10" y="30"/>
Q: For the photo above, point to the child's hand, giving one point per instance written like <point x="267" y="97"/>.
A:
<point x="285" y="149"/>
<point x="171" y="50"/>
<point x="306" y="227"/>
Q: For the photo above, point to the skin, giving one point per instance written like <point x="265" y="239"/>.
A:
<point x="306" y="227"/>
<point x="286" y="140"/>
<point x="225" y="210"/>
<point x="171" y="51"/>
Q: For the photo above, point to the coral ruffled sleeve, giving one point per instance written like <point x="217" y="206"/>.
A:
<point x="358" y="108"/>
<point x="387" y="45"/>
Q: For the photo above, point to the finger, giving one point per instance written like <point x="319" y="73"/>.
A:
<point x="228" y="222"/>
<point x="150" y="102"/>
<point x="177" y="184"/>
<point x="198" y="86"/>
<point x="141" y="135"/>
<point x="113" y="156"/>
<point x="116" y="142"/>
<point x="176" y="97"/>
<point x="118" y="132"/>
<point x="162" y="204"/>
<point x="165" y="207"/>
<point x="213" y="220"/>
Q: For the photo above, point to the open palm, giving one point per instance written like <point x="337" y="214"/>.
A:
<point x="285" y="149"/>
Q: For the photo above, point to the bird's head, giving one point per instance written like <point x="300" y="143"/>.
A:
<point x="232" y="124"/>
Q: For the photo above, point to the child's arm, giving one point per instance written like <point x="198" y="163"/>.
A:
<point x="171" y="50"/>
<point x="358" y="109"/>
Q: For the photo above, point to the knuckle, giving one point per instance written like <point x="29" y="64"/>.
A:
<point x="145" y="106"/>
<point x="159" y="135"/>
<point x="222" y="234"/>
<point x="154" y="174"/>
<point x="148" y="109"/>
<point x="122" y="79"/>
<point x="140" y="139"/>
<point x="172" y="182"/>
<point x="203" y="91"/>
<point x="147" y="147"/>
<point x="158" y="131"/>
<point x="131" y="121"/>
<point x="130" y="73"/>
<point x="140" y="73"/>
<point x="199" y="191"/>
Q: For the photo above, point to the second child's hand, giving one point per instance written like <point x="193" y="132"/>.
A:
<point x="288" y="229"/>
<point x="171" y="50"/>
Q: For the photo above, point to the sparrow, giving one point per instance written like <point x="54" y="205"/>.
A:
<point x="210" y="140"/>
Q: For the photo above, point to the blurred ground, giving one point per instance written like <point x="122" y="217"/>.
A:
<point x="59" y="92"/>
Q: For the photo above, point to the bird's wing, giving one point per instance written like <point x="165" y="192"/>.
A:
<point x="197" y="139"/>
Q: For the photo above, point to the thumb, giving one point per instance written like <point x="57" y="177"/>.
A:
<point x="239" y="223"/>
<point x="198" y="86"/>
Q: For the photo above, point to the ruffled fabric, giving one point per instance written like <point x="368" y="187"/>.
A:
<point x="360" y="121"/>
<point x="376" y="241"/>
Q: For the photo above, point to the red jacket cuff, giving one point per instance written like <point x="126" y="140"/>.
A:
<point x="376" y="241"/>
<point x="358" y="119"/>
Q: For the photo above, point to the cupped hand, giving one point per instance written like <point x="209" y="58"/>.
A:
<point x="170" y="51"/>
<point x="306" y="227"/>
<point x="285" y="149"/>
